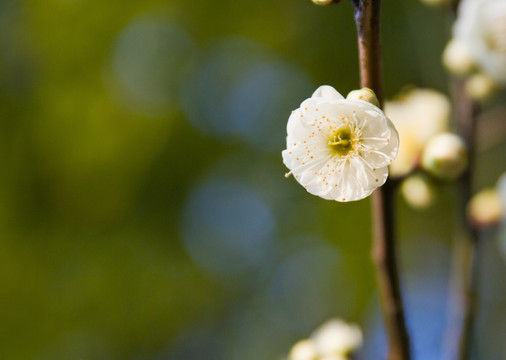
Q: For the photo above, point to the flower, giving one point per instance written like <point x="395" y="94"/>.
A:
<point x="304" y="350"/>
<point x="339" y="149"/>
<point x="481" y="27"/>
<point x="334" y="340"/>
<point x="337" y="338"/>
<point x="418" y="115"/>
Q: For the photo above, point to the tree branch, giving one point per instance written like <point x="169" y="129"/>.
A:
<point x="465" y="255"/>
<point x="367" y="18"/>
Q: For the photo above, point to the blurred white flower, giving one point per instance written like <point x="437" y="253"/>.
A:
<point x="337" y="338"/>
<point x="304" y="350"/>
<point x="481" y="27"/>
<point x="418" y="115"/>
<point x="339" y="149"/>
<point x="417" y="192"/>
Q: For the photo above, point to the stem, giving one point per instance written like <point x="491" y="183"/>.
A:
<point x="367" y="18"/>
<point x="465" y="256"/>
<point x="384" y="257"/>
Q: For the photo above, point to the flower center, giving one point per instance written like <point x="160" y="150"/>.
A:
<point x="342" y="141"/>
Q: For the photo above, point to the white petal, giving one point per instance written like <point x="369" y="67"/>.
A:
<point x="297" y="127"/>
<point x="369" y="178"/>
<point x="373" y="124"/>
<point x="351" y="188"/>
<point x="319" y="183"/>
<point x="383" y="156"/>
<point x="328" y="93"/>
<point x="376" y="159"/>
<point x="319" y="110"/>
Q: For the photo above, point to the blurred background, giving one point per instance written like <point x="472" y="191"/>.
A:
<point x="144" y="212"/>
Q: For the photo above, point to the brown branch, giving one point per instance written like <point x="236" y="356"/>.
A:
<point x="367" y="18"/>
<point x="465" y="255"/>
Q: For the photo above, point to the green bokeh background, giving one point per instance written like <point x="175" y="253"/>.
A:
<point x="96" y="179"/>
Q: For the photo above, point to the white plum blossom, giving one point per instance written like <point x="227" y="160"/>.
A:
<point x="304" y="350"/>
<point x="337" y="338"/>
<point x="337" y="148"/>
<point x="481" y="27"/>
<point x="334" y="340"/>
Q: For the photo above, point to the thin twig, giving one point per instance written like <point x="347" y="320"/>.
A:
<point x="367" y="17"/>
<point x="465" y="255"/>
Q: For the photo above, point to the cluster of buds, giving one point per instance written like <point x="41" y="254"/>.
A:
<point x="421" y="117"/>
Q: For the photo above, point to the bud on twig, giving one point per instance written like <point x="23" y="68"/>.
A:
<point x="481" y="87"/>
<point x="418" y="192"/>
<point x="325" y="2"/>
<point x="445" y="156"/>
<point x="457" y="58"/>
<point x="365" y="94"/>
<point x="485" y="208"/>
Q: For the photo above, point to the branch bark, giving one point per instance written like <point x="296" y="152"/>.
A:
<point x="465" y="254"/>
<point x="367" y="18"/>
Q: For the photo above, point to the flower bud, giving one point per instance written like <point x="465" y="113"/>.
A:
<point x="418" y="192"/>
<point x="324" y="2"/>
<point x="304" y="350"/>
<point x="365" y="94"/>
<point x="485" y="208"/>
<point x="445" y="156"/>
<point x="481" y="87"/>
<point x="457" y="58"/>
<point x="436" y="3"/>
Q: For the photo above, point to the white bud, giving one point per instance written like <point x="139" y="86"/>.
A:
<point x="323" y="2"/>
<point x="365" y="94"/>
<point x="485" y="208"/>
<point x="457" y="58"/>
<point x="304" y="350"/>
<point x="481" y="87"/>
<point x="445" y="156"/>
<point x="436" y="3"/>
<point x="418" y="192"/>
